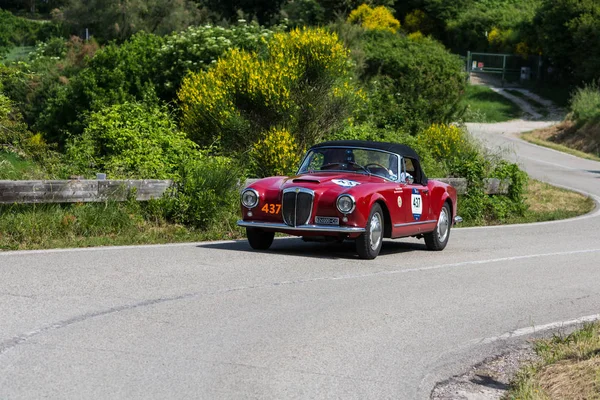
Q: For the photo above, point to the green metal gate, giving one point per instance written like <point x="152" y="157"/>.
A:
<point x="507" y="67"/>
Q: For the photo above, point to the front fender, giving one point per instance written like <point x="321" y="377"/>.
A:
<point x="439" y="197"/>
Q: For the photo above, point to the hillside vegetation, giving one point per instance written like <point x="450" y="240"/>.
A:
<point x="170" y="93"/>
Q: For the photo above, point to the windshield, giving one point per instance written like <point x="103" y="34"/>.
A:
<point x="372" y="162"/>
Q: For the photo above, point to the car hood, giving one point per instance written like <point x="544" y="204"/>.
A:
<point x="340" y="180"/>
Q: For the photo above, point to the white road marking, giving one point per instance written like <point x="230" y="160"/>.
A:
<point x="551" y="163"/>
<point x="538" y="328"/>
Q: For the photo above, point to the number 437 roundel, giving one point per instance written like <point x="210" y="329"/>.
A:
<point x="416" y="204"/>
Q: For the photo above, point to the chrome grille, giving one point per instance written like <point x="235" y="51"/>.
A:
<point x="297" y="206"/>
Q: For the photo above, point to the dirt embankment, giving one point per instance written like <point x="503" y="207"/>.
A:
<point x="584" y="138"/>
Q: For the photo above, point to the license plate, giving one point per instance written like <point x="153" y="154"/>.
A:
<point x="327" y="220"/>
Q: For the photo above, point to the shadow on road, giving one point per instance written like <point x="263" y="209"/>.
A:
<point x="333" y="251"/>
<point x="490" y="382"/>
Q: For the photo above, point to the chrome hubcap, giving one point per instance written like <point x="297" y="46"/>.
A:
<point x="443" y="225"/>
<point x="375" y="230"/>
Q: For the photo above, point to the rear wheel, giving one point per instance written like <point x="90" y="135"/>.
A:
<point x="259" y="239"/>
<point x="368" y="245"/>
<point x="438" y="239"/>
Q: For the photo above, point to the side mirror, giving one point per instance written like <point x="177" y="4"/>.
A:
<point x="409" y="179"/>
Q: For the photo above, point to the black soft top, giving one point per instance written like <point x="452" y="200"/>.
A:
<point x="397" y="148"/>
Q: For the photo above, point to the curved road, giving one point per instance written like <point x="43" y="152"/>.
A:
<point x="216" y="320"/>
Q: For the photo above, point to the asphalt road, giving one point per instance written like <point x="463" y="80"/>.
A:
<point x="216" y="320"/>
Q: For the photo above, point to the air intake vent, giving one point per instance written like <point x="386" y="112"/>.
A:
<point x="304" y="180"/>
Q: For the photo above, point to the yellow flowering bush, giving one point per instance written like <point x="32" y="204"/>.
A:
<point x="378" y="18"/>
<point x="445" y="141"/>
<point x="303" y="81"/>
<point x="276" y="153"/>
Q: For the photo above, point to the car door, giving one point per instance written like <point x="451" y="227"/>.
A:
<point x="420" y="201"/>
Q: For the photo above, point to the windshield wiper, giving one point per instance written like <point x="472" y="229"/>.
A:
<point x="358" y="165"/>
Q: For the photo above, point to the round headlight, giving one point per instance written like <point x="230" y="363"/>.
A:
<point x="250" y="198"/>
<point x="345" y="204"/>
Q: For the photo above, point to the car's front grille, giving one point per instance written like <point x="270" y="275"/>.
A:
<point x="297" y="206"/>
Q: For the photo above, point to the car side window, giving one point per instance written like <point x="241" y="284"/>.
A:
<point x="410" y="167"/>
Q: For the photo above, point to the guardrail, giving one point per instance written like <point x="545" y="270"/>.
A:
<point x="93" y="191"/>
<point x="80" y="191"/>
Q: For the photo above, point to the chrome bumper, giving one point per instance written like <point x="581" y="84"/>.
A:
<point x="303" y="228"/>
<point x="457" y="220"/>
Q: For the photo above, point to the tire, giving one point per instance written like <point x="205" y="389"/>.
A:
<point x="259" y="239"/>
<point x="438" y="239"/>
<point x="368" y="245"/>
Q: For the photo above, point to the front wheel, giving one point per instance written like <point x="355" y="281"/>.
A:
<point x="368" y="245"/>
<point x="438" y="239"/>
<point x="259" y="239"/>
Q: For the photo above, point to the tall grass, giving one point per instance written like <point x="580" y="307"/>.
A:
<point x="585" y="104"/>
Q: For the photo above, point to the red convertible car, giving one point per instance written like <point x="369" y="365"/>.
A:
<point x="359" y="190"/>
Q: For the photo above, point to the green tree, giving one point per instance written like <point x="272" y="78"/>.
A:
<point x="413" y="83"/>
<point x="568" y="31"/>
<point x="118" y="19"/>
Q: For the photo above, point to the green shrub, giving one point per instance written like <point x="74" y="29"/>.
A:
<point x="17" y="31"/>
<point x="412" y="83"/>
<point x="130" y="140"/>
<point x="32" y="83"/>
<point x="585" y="104"/>
<point x="28" y="147"/>
<point x="115" y="74"/>
<point x="206" y="192"/>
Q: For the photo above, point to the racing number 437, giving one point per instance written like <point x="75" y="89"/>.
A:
<point x="271" y="208"/>
<point x="417" y="202"/>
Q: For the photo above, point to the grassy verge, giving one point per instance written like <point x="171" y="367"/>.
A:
<point x="569" y="368"/>
<point x="563" y="137"/>
<point x="485" y="105"/>
<point x="14" y="167"/>
<point x="547" y="203"/>
<point x="539" y="107"/>
<point x="26" y="227"/>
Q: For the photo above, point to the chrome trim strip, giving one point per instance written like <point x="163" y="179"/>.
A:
<point x="304" y="228"/>
<point x="300" y="189"/>
<point x="458" y="220"/>
<point x="433" y="221"/>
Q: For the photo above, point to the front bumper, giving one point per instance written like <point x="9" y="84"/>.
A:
<point x="302" y="228"/>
